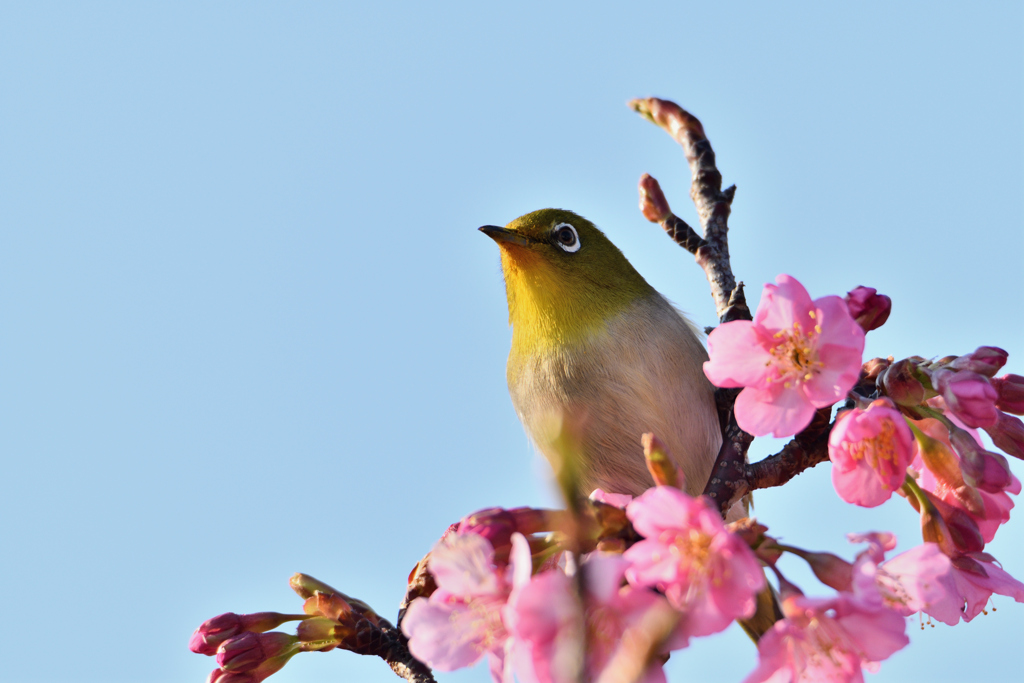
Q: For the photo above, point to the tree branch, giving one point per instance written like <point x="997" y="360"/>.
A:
<point x="713" y="204"/>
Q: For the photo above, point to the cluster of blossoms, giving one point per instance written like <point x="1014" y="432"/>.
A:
<point x="605" y="593"/>
<point x="910" y="431"/>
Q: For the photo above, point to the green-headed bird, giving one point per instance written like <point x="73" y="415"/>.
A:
<point x="595" y="345"/>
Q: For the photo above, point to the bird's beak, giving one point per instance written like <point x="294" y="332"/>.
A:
<point x="503" y="235"/>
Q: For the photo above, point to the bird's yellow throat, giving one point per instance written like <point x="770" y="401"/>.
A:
<point x="558" y="299"/>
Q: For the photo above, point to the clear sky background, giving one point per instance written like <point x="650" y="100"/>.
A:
<point x="248" y="327"/>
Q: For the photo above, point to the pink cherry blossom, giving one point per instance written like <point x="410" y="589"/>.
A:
<point x="988" y="510"/>
<point x="704" y="571"/>
<point x="827" y="640"/>
<point x="970" y="583"/>
<point x="870" y="451"/>
<point x="911" y="582"/>
<point x="462" y="620"/>
<point x="550" y="625"/>
<point x="797" y="355"/>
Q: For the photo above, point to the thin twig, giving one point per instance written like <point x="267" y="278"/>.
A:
<point x="713" y="204"/>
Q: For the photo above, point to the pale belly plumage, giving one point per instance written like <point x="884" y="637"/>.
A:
<point x="641" y="373"/>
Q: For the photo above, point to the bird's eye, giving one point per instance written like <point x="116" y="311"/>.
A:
<point x="566" y="238"/>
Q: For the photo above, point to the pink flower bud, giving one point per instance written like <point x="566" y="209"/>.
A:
<point x="869" y="308"/>
<point x="208" y="637"/>
<point x="831" y="570"/>
<point x="222" y="676"/>
<point x="212" y="632"/>
<point x="1008" y="435"/>
<point x="496" y="525"/>
<point x="982" y="469"/>
<point x="985" y="360"/>
<point x="1011" y="393"/>
<point x="249" y="650"/>
<point x="963" y="530"/>
<point x="902" y="384"/>
<point x="968" y="395"/>
<point x="653" y="204"/>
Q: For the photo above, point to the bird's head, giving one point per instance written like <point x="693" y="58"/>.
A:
<point x="564" y="279"/>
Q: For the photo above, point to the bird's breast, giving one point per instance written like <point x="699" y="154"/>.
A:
<point x="639" y="372"/>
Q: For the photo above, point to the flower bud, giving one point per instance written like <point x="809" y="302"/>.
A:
<point x="982" y="469"/>
<point x="1010" y="389"/>
<point x="966" y="563"/>
<point x="321" y="634"/>
<point x="653" y="204"/>
<point x="873" y="368"/>
<point x="222" y="676"/>
<point x="1008" y="435"/>
<point x="934" y="530"/>
<point x="900" y="382"/>
<point x="963" y="530"/>
<point x="662" y="468"/>
<point x="985" y="360"/>
<point x="968" y="395"/>
<point x="305" y="585"/>
<point x="496" y="525"/>
<point x="212" y="632"/>
<point x="208" y="637"/>
<point x="869" y="308"/>
<point x="249" y="650"/>
<point x="831" y="570"/>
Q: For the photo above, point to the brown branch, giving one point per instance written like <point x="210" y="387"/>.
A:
<point x="713" y="204"/>
<point x="360" y="629"/>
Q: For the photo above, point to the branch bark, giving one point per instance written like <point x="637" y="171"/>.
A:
<point x="713" y="204"/>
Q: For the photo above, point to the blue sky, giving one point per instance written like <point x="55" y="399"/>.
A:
<point x="249" y="328"/>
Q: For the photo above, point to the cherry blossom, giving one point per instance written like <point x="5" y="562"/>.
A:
<point x="704" y="571"/>
<point x="970" y="584"/>
<point x="552" y="628"/>
<point x="870" y="451"/>
<point x="797" y="355"/>
<point x="913" y="581"/>
<point x="827" y="640"/>
<point x="462" y="620"/>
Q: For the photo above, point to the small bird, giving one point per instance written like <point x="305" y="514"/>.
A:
<point x="593" y="343"/>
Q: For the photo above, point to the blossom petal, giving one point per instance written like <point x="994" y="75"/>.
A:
<point x="738" y="358"/>
<point x="442" y="634"/>
<point x="778" y="411"/>
<point x="463" y="564"/>
<point x="784" y="304"/>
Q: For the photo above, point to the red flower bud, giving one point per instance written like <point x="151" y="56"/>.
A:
<point x="208" y="637"/>
<point x="222" y="676"/>
<point x="901" y="383"/>
<point x="968" y="395"/>
<point x="982" y="469"/>
<point x="985" y="360"/>
<point x="212" y="632"/>
<point x="1010" y="389"/>
<point x="1008" y="435"/>
<point x="653" y="204"/>
<point x="831" y="570"/>
<point x="869" y="308"/>
<point x="249" y="650"/>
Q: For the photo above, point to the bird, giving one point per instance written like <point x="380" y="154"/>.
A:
<point x="596" y="347"/>
<point x="594" y="344"/>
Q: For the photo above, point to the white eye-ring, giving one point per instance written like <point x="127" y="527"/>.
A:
<point x="567" y="238"/>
